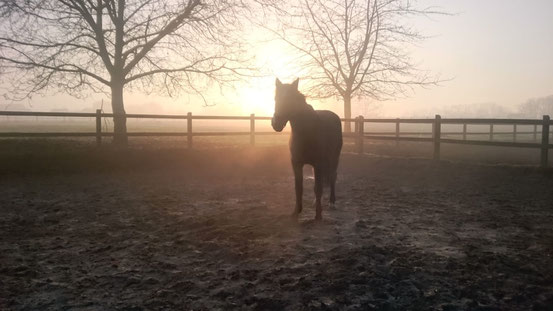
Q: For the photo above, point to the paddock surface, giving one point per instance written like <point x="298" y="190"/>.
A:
<point x="208" y="230"/>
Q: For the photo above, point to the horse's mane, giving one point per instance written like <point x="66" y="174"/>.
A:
<point x="303" y="101"/>
<point x="301" y="97"/>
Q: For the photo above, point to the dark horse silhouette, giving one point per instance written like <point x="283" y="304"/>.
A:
<point x="316" y="140"/>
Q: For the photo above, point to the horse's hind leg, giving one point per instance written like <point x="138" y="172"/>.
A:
<point x="298" y="176"/>
<point x="318" y="193"/>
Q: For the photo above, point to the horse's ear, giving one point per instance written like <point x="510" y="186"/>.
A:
<point x="278" y="83"/>
<point x="295" y="83"/>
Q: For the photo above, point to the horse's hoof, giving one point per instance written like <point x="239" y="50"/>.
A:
<point x="332" y="206"/>
<point x="318" y="217"/>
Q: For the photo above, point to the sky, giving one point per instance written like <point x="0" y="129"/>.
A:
<point x="493" y="51"/>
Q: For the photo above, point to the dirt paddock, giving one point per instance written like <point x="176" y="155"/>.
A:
<point x="208" y="230"/>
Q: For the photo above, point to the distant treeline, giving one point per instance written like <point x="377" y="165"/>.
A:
<point x="533" y="108"/>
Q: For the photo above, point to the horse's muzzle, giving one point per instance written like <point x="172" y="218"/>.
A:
<point x="278" y="123"/>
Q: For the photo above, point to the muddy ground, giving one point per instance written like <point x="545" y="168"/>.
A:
<point x="208" y="230"/>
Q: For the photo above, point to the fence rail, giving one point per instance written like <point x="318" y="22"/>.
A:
<point x="437" y="137"/>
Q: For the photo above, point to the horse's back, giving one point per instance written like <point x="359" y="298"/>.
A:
<point x="331" y="133"/>
<point x="329" y="117"/>
<point x="330" y="126"/>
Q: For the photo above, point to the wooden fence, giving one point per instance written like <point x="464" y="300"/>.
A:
<point x="437" y="137"/>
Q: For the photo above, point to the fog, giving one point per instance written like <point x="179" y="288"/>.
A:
<point x="228" y="208"/>
<point x="494" y="56"/>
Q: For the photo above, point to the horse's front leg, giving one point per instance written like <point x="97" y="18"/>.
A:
<point x="318" y="193"/>
<point x="298" y="176"/>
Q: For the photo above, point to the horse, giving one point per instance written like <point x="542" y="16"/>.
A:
<point x="316" y="140"/>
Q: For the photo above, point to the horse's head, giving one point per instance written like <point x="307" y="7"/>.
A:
<point x="287" y="103"/>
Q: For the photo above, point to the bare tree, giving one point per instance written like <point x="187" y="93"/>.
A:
<point x="537" y="107"/>
<point x="109" y="45"/>
<point x="355" y="48"/>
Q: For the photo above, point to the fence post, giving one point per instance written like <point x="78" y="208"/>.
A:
<point x="252" y="129"/>
<point x="189" y="129"/>
<point x="535" y="131"/>
<point x="544" y="141"/>
<point x="491" y="132"/>
<point x="464" y="131"/>
<point x="397" y="131"/>
<point x="437" y="130"/>
<point x="98" y="127"/>
<point x="514" y="132"/>
<point x="360" y="134"/>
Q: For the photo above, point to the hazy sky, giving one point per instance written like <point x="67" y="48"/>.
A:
<point x="495" y="51"/>
<point x="498" y="51"/>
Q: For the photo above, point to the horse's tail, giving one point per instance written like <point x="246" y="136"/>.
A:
<point x="334" y="160"/>
<point x="332" y="173"/>
<point x="329" y="173"/>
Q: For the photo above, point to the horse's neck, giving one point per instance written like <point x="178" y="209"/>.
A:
<point x="305" y="121"/>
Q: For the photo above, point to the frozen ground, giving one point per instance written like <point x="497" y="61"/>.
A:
<point x="209" y="230"/>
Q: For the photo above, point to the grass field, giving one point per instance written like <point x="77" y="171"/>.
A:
<point x="18" y="150"/>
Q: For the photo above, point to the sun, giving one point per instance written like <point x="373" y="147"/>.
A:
<point x="258" y="98"/>
<point x="277" y="60"/>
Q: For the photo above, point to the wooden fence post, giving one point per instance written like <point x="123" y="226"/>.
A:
<point x="360" y="134"/>
<point x="535" y="131"/>
<point x="491" y="132"/>
<point x="252" y="129"/>
<point x="544" y="141"/>
<point x="464" y="131"/>
<point x="397" y="131"/>
<point x="189" y="129"/>
<point x="98" y="127"/>
<point x="436" y="131"/>
<point x="514" y="132"/>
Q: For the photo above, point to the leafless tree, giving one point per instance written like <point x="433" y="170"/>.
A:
<point x="113" y="45"/>
<point x="355" y="48"/>
<point x="537" y="107"/>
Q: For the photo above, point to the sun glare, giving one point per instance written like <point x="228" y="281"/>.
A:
<point x="277" y="60"/>
<point x="258" y="99"/>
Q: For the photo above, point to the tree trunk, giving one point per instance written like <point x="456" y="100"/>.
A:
<point x="119" y="115"/>
<point x="347" y="112"/>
